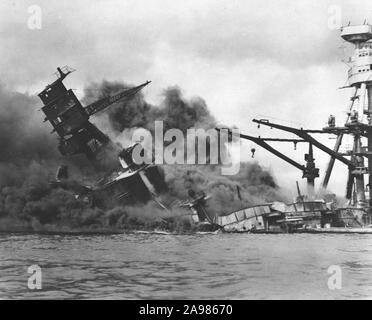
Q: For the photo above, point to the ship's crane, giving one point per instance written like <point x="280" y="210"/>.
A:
<point x="70" y="120"/>
<point x="309" y="171"/>
<point x="305" y="135"/>
<point x="356" y="168"/>
<point x="355" y="165"/>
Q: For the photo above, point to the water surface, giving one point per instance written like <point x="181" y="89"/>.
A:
<point x="153" y="266"/>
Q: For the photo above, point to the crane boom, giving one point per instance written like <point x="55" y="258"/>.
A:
<point x="261" y="142"/>
<point x="310" y="172"/>
<point x="107" y="101"/>
<point x="305" y="135"/>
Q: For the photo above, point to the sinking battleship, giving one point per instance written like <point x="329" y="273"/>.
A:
<point x="314" y="213"/>
<point x="127" y="182"/>
<point x="132" y="183"/>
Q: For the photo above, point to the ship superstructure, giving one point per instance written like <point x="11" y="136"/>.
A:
<point x="124" y="181"/>
<point x="358" y="125"/>
<point x="70" y="120"/>
<point x="358" y="159"/>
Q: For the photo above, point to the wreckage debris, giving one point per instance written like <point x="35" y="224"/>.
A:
<point x="129" y="184"/>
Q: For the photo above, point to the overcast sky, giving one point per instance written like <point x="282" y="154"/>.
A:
<point x="246" y="58"/>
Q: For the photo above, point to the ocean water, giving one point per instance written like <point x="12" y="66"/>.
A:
<point x="200" y="266"/>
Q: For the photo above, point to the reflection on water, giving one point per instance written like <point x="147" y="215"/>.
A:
<point x="151" y="266"/>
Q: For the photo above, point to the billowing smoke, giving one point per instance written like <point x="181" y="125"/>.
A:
<point x="23" y="139"/>
<point x="252" y="185"/>
<point x="175" y="110"/>
<point x="29" y="158"/>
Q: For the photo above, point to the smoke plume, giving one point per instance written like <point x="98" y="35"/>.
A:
<point x="29" y="157"/>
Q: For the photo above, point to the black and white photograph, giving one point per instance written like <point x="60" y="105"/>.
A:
<point x="185" y="155"/>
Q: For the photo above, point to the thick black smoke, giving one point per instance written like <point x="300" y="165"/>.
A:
<point x="28" y="161"/>
<point x="29" y="158"/>
<point x="27" y="150"/>
<point x="227" y="193"/>
<point x="174" y="110"/>
<point x="255" y="184"/>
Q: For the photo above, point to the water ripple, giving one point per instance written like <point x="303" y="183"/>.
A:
<point x="222" y="266"/>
